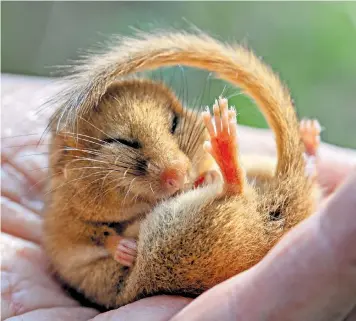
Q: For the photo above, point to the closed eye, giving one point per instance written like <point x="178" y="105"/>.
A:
<point x="175" y="122"/>
<point x="133" y="144"/>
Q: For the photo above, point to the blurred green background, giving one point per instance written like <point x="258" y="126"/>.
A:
<point x="312" y="45"/>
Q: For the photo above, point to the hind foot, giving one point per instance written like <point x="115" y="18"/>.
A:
<point x="126" y="252"/>
<point x="123" y="249"/>
<point x="310" y="133"/>
<point x="223" y="145"/>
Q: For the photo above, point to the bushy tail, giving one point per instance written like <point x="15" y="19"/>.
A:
<point x="234" y="64"/>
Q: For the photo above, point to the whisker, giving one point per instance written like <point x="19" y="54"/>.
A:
<point x="195" y="144"/>
<point x="81" y="158"/>
<point x="41" y="181"/>
<point x="86" y="136"/>
<point x="223" y="91"/>
<point x="22" y="135"/>
<point x="209" y="91"/>
<point x="88" y="151"/>
<point x="195" y="137"/>
<point x="114" y="187"/>
<point x="86" y="140"/>
<point x="106" y="176"/>
<point x="134" y="198"/>
<point x="71" y="181"/>
<point x="123" y="165"/>
<point x="208" y="78"/>
<point x="69" y="169"/>
<point x="126" y="172"/>
<point x="193" y="129"/>
<point x="174" y="73"/>
<point x="128" y="154"/>
<point x="150" y="184"/>
<point x="186" y="128"/>
<point x="194" y="121"/>
<point x="107" y="135"/>
<point x="82" y="189"/>
<point x="234" y="95"/>
<point x="128" y="190"/>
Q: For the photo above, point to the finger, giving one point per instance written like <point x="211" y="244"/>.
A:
<point x="57" y="314"/>
<point x="352" y="315"/>
<point x="17" y="188"/>
<point x="26" y="284"/>
<point x="334" y="165"/>
<point x="17" y="199"/>
<point x="19" y="221"/>
<point x="311" y="273"/>
<point x="156" y="308"/>
<point x="31" y="179"/>
<point x="332" y="172"/>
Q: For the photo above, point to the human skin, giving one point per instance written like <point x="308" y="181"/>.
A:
<point x="317" y="263"/>
<point x="309" y="275"/>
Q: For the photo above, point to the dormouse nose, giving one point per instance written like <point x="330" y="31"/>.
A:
<point x="174" y="175"/>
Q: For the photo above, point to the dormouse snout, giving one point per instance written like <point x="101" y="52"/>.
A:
<point x="173" y="176"/>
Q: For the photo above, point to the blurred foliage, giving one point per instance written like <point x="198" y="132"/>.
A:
<point x="312" y="45"/>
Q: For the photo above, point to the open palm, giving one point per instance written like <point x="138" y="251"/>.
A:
<point x="28" y="289"/>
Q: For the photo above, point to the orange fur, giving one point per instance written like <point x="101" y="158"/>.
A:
<point x="94" y="189"/>
<point x="193" y="240"/>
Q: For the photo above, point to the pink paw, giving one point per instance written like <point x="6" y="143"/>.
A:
<point x="310" y="132"/>
<point x="126" y="252"/>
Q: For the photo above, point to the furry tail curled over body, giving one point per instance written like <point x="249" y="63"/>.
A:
<point x="234" y="64"/>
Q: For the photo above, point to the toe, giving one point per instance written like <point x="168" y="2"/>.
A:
<point x="208" y="123"/>
<point x="316" y="126"/>
<point x="126" y="252"/>
<point x="129" y="243"/>
<point x="217" y="119"/>
<point x="224" y="114"/>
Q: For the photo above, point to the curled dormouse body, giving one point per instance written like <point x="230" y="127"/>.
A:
<point x="125" y="155"/>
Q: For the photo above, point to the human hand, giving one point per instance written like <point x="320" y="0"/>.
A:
<point x="29" y="291"/>
<point x="309" y="275"/>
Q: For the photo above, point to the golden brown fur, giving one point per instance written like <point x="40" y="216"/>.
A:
<point x="191" y="241"/>
<point x="95" y="191"/>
